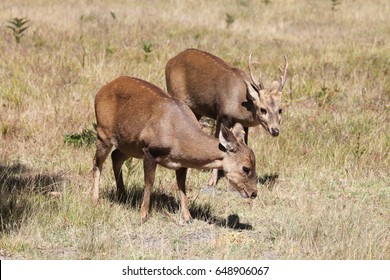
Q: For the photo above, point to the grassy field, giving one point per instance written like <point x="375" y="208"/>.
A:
<point x="324" y="183"/>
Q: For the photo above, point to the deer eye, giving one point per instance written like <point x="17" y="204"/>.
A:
<point x="280" y="111"/>
<point x="246" y="170"/>
<point x="263" y="111"/>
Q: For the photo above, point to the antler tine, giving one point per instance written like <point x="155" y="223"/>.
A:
<point x="261" y="85"/>
<point x="284" y="74"/>
<point x="251" y="74"/>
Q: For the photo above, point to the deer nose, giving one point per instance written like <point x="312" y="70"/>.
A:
<point x="253" y="195"/>
<point x="275" y="131"/>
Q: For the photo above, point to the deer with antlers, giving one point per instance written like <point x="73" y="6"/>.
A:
<point x="212" y="88"/>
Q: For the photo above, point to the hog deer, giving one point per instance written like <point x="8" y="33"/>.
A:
<point x="212" y="88"/>
<point x="140" y="120"/>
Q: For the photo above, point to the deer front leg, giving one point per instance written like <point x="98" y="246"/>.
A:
<point x="214" y="173"/>
<point x="181" y="175"/>
<point x="149" y="175"/>
<point x="246" y="130"/>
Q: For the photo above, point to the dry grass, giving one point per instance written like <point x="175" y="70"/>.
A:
<point x="324" y="182"/>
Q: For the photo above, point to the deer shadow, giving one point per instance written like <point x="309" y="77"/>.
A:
<point x="160" y="202"/>
<point x="268" y="180"/>
<point x="17" y="183"/>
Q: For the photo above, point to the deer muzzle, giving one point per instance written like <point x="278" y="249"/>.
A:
<point x="248" y="194"/>
<point x="274" y="131"/>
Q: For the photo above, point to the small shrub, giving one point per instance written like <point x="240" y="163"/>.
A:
<point x="87" y="18"/>
<point x="147" y="46"/>
<point x="229" y="19"/>
<point x="4" y="129"/>
<point x="18" y="27"/>
<point x="335" y="3"/>
<point x="109" y="50"/>
<point x="113" y="15"/>
<point x="84" y="139"/>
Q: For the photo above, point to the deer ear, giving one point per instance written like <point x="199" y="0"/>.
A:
<point x="227" y="139"/>
<point x="239" y="132"/>
<point x="252" y="91"/>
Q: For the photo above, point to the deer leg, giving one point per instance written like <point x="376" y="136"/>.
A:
<point x="149" y="175"/>
<point x="118" y="158"/>
<point x="246" y="129"/>
<point x="181" y="175"/>
<point x="102" y="151"/>
<point x="214" y="173"/>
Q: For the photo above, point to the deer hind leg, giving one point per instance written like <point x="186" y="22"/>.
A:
<point x="149" y="176"/>
<point x="181" y="175"/>
<point x="118" y="158"/>
<point x="102" y="151"/>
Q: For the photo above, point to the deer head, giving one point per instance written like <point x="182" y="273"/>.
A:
<point x="267" y="102"/>
<point x="239" y="163"/>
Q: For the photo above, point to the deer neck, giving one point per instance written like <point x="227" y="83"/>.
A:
<point x="201" y="151"/>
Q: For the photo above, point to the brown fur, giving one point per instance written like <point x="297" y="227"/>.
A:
<point x="140" y="120"/>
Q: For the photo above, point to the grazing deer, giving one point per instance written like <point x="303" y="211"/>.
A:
<point x="140" y="120"/>
<point x="212" y="88"/>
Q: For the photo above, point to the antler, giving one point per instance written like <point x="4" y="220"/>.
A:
<point x="258" y="84"/>
<point x="284" y="74"/>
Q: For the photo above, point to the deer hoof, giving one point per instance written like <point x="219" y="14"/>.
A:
<point x="212" y="182"/>
<point x="144" y="217"/>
